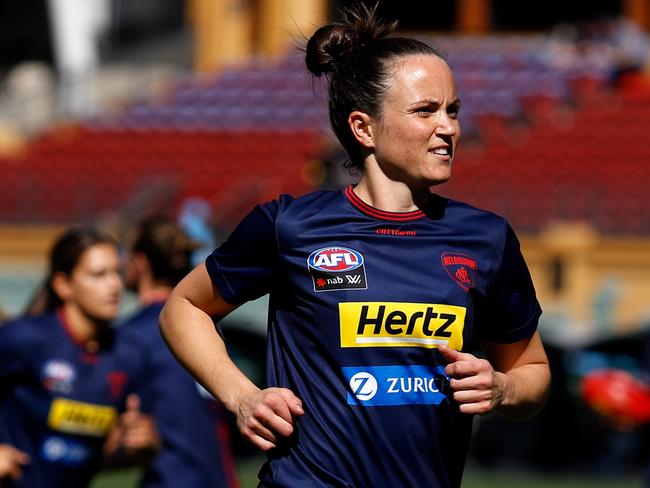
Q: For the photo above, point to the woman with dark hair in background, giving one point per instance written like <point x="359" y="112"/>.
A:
<point x="195" y="448"/>
<point x="377" y="292"/>
<point x="65" y="375"/>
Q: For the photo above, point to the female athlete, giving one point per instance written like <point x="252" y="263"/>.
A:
<point x="66" y="375"/>
<point x="377" y="292"/>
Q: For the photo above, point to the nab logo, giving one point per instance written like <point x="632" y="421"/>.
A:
<point x="337" y="268"/>
<point x="363" y="386"/>
<point x="335" y="259"/>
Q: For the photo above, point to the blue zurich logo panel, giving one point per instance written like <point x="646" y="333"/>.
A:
<point x="375" y="386"/>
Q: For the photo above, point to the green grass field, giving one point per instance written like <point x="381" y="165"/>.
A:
<point x="473" y="479"/>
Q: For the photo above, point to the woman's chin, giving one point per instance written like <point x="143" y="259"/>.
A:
<point x="106" y="315"/>
<point x="439" y="178"/>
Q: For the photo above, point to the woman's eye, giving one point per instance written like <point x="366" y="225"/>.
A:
<point x="453" y="112"/>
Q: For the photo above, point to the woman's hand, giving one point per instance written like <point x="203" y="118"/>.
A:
<point x="477" y="387"/>
<point x="140" y="433"/>
<point x="11" y="462"/>
<point x="134" y="438"/>
<point x="264" y="417"/>
<point x="513" y="380"/>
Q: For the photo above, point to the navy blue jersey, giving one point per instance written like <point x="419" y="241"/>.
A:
<point x="196" y="450"/>
<point x="58" y="400"/>
<point x="360" y="299"/>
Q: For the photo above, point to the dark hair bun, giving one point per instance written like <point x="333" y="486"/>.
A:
<point x="331" y="43"/>
<point x="326" y="47"/>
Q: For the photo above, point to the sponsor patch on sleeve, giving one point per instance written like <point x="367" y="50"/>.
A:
<point x="82" y="418"/>
<point x="395" y="324"/>
<point x="375" y="386"/>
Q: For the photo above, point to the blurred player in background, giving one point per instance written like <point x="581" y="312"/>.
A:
<point x="195" y="443"/>
<point x="376" y="292"/>
<point x="65" y="375"/>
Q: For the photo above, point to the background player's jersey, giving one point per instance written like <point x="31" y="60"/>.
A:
<point x="360" y="300"/>
<point x="195" y="451"/>
<point x="58" y="401"/>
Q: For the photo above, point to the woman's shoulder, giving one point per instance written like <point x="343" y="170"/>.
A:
<point x="464" y="210"/>
<point x="28" y="331"/>
<point x="303" y="205"/>
<point x="307" y="198"/>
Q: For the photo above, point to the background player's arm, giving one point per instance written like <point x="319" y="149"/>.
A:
<point x="187" y="326"/>
<point x="514" y="379"/>
<point x="11" y="462"/>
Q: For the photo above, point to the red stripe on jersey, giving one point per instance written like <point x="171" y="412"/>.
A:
<point x="380" y="214"/>
<point x="88" y="352"/>
<point x="223" y="433"/>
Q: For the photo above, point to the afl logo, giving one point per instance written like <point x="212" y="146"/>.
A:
<point x="335" y="259"/>
<point x="58" y="375"/>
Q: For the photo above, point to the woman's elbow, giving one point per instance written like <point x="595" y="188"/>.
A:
<point x="165" y="321"/>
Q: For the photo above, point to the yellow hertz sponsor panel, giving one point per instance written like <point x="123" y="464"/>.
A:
<point x="394" y="324"/>
<point x="80" y="418"/>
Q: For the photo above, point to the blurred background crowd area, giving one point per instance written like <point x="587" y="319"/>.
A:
<point x="115" y="110"/>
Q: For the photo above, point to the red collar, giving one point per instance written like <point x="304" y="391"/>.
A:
<point x="380" y="214"/>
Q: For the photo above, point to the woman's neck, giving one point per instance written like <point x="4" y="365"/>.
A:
<point x="151" y="290"/>
<point x="82" y="328"/>
<point x="382" y="193"/>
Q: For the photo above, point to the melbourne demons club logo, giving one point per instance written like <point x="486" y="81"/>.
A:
<point x="461" y="267"/>
<point x="116" y="382"/>
<point x="337" y="268"/>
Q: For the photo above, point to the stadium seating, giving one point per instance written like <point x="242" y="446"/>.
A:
<point x="493" y="75"/>
<point x="589" y="163"/>
<point x="542" y="143"/>
<point x="80" y="174"/>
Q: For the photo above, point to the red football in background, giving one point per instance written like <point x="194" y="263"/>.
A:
<point x="617" y="395"/>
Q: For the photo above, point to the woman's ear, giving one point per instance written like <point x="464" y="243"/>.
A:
<point x="137" y="269"/>
<point x="141" y="263"/>
<point x="61" y="285"/>
<point x="361" y="125"/>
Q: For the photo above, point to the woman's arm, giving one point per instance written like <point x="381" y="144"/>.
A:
<point x="12" y="461"/>
<point x="187" y="327"/>
<point x="514" y="379"/>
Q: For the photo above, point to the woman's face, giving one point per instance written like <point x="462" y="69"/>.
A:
<point x="95" y="284"/>
<point x="415" y="136"/>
